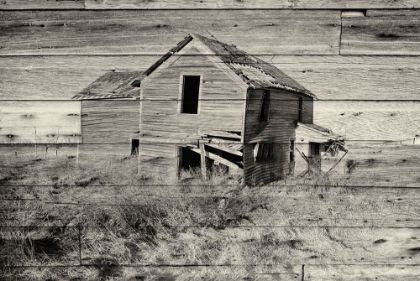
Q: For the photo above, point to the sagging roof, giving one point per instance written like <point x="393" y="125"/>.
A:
<point x="113" y="84"/>
<point x="253" y="71"/>
<point x="319" y="132"/>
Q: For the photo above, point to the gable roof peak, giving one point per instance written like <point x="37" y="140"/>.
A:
<point x="253" y="71"/>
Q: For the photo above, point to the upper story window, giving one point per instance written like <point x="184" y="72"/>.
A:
<point x="265" y="106"/>
<point x="190" y="94"/>
<point x="300" y="109"/>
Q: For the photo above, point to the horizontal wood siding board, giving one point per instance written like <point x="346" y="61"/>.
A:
<point x="354" y="272"/>
<point x="158" y="160"/>
<point x="363" y="120"/>
<point x="39" y="122"/>
<point x="279" y="129"/>
<point x="356" y="245"/>
<point x="253" y="4"/>
<point x="161" y="117"/>
<point x="356" y="120"/>
<point x="110" y="121"/>
<point x="362" y="247"/>
<point x="219" y="4"/>
<point x="328" y="77"/>
<point x="155" y="32"/>
<point x="41" y="4"/>
<point x="381" y="32"/>
<point x="11" y="153"/>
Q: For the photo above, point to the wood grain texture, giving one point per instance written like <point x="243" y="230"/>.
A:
<point x="250" y="4"/>
<point x="330" y="272"/>
<point x="118" y="32"/>
<point x="368" y="272"/>
<point x="381" y="32"/>
<point x="356" y="120"/>
<point x="39" y="122"/>
<point x="328" y="77"/>
<point x="283" y="247"/>
<point x="296" y="205"/>
<point x="279" y="129"/>
<point x="374" y="230"/>
<point x="41" y="4"/>
<point x="110" y="121"/>
<point x="363" y="120"/>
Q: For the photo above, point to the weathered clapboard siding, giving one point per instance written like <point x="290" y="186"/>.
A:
<point x="110" y="121"/>
<point x="39" y="122"/>
<point x="118" y="32"/>
<point x="329" y="77"/>
<point x="58" y="122"/>
<point x="158" y="159"/>
<point x="103" y="156"/>
<point x="161" y="120"/>
<point x="253" y="4"/>
<point x="107" y="129"/>
<point x="381" y="32"/>
<point x="280" y="129"/>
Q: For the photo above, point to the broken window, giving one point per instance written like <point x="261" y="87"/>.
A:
<point x="265" y="106"/>
<point x="135" y="144"/>
<point x="263" y="151"/>
<point x="300" y="109"/>
<point x="190" y="93"/>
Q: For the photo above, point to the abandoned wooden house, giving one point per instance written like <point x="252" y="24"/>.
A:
<point x="206" y="103"/>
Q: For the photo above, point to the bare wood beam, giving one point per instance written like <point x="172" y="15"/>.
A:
<point x="222" y="160"/>
<point x="203" y="160"/>
<point x="225" y="148"/>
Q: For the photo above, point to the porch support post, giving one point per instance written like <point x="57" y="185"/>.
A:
<point x="203" y="160"/>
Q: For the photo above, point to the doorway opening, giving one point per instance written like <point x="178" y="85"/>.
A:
<point x="314" y="156"/>
<point x="189" y="160"/>
<point x="135" y="145"/>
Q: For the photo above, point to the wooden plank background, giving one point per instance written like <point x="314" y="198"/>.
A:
<point x="361" y="58"/>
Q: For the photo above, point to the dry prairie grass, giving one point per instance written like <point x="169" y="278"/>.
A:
<point x="142" y="227"/>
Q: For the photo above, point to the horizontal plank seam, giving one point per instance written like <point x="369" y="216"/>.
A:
<point x="242" y="226"/>
<point x="307" y="185"/>
<point x="221" y="99"/>
<point x="214" y="265"/>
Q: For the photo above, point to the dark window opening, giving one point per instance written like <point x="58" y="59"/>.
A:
<point x="300" y="109"/>
<point x="292" y="151"/>
<point x="315" y="149"/>
<point x="190" y="92"/>
<point x="135" y="144"/>
<point x="189" y="159"/>
<point x="263" y="151"/>
<point x="265" y="106"/>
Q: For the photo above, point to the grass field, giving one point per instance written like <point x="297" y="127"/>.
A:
<point x="63" y="222"/>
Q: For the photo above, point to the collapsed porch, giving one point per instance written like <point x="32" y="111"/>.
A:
<point x="318" y="143"/>
<point x="215" y="148"/>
